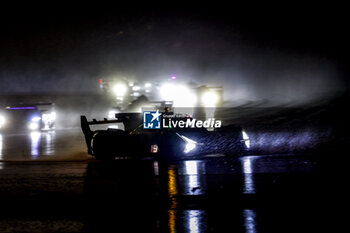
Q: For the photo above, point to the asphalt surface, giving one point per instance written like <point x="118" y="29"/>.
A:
<point x="54" y="145"/>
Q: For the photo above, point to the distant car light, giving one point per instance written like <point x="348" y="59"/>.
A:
<point x="120" y="89"/>
<point x="181" y="95"/>
<point x="33" y="126"/>
<point x="36" y="119"/>
<point x="210" y="99"/>
<point x="136" y="88"/>
<point x="246" y="139"/>
<point x="148" y="85"/>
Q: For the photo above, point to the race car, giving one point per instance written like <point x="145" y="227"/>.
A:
<point x="180" y="93"/>
<point x="128" y="137"/>
<point x="39" y="116"/>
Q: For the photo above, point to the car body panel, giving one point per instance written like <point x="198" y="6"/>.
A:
<point x="138" y="142"/>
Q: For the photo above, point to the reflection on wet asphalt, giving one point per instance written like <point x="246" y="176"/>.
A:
<point x="215" y="194"/>
<point x="208" y="195"/>
<point x="55" y="144"/>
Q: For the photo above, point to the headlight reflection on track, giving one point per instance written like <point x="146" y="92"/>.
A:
<point x="35" y="142"/>
<point x="2" y="121"/>
<point x="248" y="172"/>
<point x="0" y="147"/>
<point x="193" y="179"/>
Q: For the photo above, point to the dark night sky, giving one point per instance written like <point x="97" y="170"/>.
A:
<point x="291" y="55"/>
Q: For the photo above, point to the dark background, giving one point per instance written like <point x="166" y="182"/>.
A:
<point x="283" y="54"/>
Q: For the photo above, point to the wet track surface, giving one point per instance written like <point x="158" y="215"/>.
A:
<point x="64" y="144"/>
<point x="49" y="184"/>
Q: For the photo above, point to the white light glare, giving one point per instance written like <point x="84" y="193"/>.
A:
<point x="36" y="119"/>
<point x="2" y="121"/>
<point x="181" y="96"/>
<point x="191" y="145"/>
<point x="53" y="116"/>
<point x="246" y="139"/>
<point x="33" y="126"/>
<point x="191" y="167"/>
<point x="120" y="89"/>
<point x="48" y="117"/>
<point x="136" y="88"/>
<point x="111" y="114"/>
<point x="148" y="85"/>
<point x="210" y="99"/>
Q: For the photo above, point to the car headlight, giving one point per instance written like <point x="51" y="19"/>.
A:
<point x="181" y="95"/>
<point x="33" y="125"/>
<point x="2" y="121"/>
<point x="36" y="119"/>
<point x="210" y="99"/>
<point x="136" y="88"/>
<point x="189" y="147"/>
<point x="190" y="144"/>
<point x="120" y="89"/>
<point x="246" y="139"/>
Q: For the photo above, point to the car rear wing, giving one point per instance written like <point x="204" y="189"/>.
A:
<point x="130" y="121"/>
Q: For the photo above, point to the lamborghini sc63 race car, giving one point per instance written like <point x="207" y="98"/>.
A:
<point x="128" y="138"/>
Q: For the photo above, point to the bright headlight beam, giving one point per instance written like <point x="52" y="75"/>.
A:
<point x="246" y="139"/>
<point x="189" y="147"/>
<point x="136" y="88"/>
<point x="181" y="95"/>
<point x="190" y="144"/>
<point x="120" y="89"/>
<point x="33" y="126"/>
<point x="36" y="119"/>
<point x="210" y="99"/>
